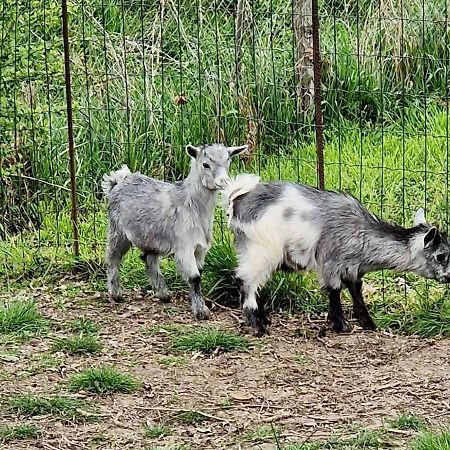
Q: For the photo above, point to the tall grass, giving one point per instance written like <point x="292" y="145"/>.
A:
<point x="148" y="78"/>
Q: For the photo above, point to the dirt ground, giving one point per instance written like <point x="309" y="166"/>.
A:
<point x="309" y="387"/>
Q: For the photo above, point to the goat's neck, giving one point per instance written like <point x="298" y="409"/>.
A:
<point x="198" y="193"/>
<point x="390" y="252"/>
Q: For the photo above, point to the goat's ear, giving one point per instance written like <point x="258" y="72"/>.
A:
<point x="237" y="150"/>
<point x="432" y="238"/>
<point x="192" y="151"/>
<point x="419" y="218"/>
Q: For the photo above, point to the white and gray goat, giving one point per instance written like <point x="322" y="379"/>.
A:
<point x="283" y="225"/>
<point x="166" y="218"/>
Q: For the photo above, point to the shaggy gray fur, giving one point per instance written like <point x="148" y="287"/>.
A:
<point x="163" y="218"/>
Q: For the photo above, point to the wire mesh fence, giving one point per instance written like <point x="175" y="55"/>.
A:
<point x="148" y="77"/>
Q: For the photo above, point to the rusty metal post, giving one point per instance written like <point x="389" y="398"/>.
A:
<point x="317" y="94"/>
<point x="73" y="187"/>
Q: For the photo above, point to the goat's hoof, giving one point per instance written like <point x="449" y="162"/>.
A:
<point x="114" y="299"/>
<point x="202" y="313"/>
<point x="261" y="331"/>
<point x="164" y="297"/>
<point x="368" y="324"/>
<point x="340" y="326"/>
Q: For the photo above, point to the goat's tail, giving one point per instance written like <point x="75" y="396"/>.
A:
<point x="113" y="179"/>
<point x="240" y="185"/>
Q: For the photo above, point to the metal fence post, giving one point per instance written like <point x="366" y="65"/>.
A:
<point x="73" y="187"/>
<point x="317" y="94"/>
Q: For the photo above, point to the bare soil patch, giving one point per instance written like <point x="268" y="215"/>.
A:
<point x="308" y="387"/>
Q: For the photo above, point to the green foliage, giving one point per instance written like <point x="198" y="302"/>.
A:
<point x="260" y="434"/>
<point x="21" y="316"/>
<point x="34" y="405"/>
<point x="207" y="340"/>
<point x="191" y="417"/>
<point x="157" y="431"/>
<point x="406" y="421"/>
<point x="18" y="432"/>
<point x="364" y="439"/>
<point x="171" y="361"/>
<point x="83" y="325"/>
<point x="77" y="345"/>
<point x="103" y="380"/>
<point x="170" y="329"/>
<point x="432" y="441"/>
<point x="127" y="104"/>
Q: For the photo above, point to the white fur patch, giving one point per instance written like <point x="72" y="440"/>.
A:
<point x="109" y="181"/>
<point x="241" y="184"/>
<point x="273" y="236"/>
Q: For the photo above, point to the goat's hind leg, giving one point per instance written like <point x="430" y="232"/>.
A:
<point x="152" y="261"/>
<point x="116" y="246"/>
<point x="359" y="307"/>
<point x="336" y="313"/>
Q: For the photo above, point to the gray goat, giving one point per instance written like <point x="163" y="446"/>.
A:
<point x="282" y="225"/>
<point x="163" y="218"/>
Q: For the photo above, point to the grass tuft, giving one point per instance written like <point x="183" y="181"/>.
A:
<point x="407" y="421"/>
<point x="171" y="361"/>
<point x="21" y="316"/>
<point x="191" y="417"/>
<point x="165" y="329"/>
<point x="157" y="431"/>
<point x="19" y="432"/>
<point x="33" y="405"/>
<point x="432" y="441"/>
<point x="103" y="380"/>
<point x="260" y="434"/>
<point x="77" y="345"/>
<point x="207" y="340"/>
<point x="83" y="325"/>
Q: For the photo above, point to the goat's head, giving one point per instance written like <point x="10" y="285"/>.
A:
<point x="432" y="250"/>
<point x="212" y="163"/>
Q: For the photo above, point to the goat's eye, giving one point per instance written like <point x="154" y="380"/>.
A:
<point x="441" y="257"/>
<point x="206" y="166"/>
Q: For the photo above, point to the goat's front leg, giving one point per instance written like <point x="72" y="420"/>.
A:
<point x="359" y="307"/>
<point x="187" y="265"/>
<point x="256" y="265"/>
<point x="336" y="313"/>
<point x="253" y="310"/>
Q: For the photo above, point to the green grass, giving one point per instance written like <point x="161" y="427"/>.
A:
<point x="432" y="441"/>
<point x="207" y="340"/>
<point x="103" y="380"/>
<point x="191" y="417"/>
<point x="21" y="432"/>
<point x="260" y="434"/>
<point x="20" y="316"/>
<point x="77" y="345"/>
<point x="364" y="439"/>
<point x="165" y="329"/>
<point x="171" y="361"/>
<point x="406" y="421"/>
<point x="36" y="405"/>
<point x="83" y="325"/>
<point x="157" y="431"/>
<point x="169" y="447"/>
